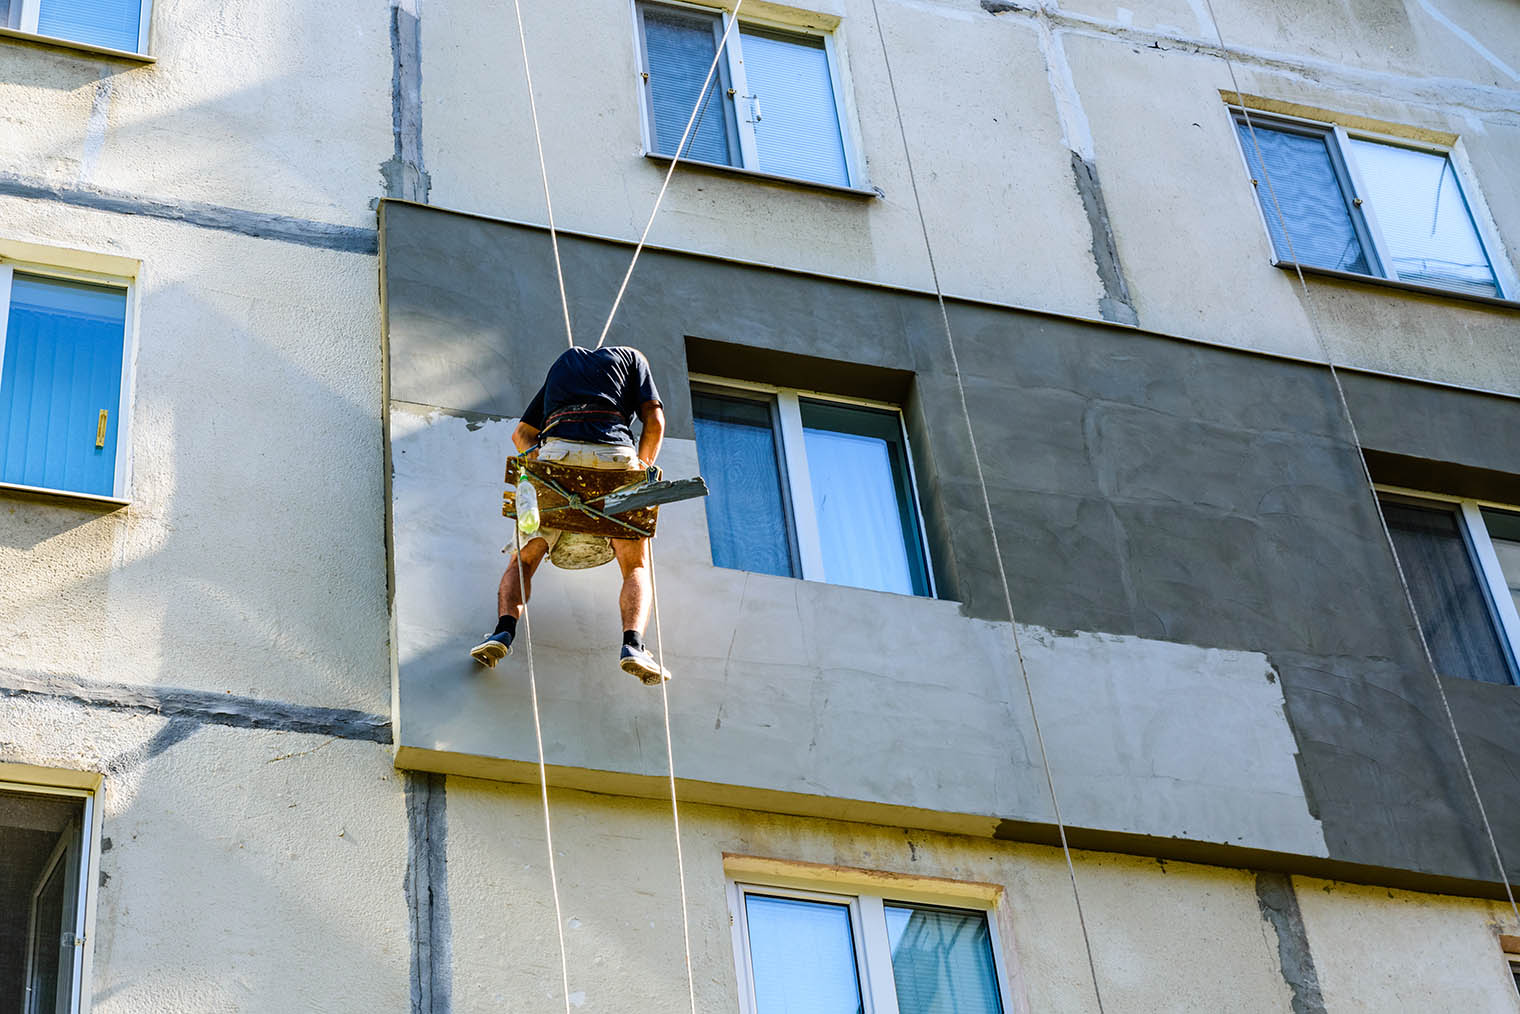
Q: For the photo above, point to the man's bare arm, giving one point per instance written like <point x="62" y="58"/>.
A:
<point x="653" y="435"/>
<point x="524" y="437"/>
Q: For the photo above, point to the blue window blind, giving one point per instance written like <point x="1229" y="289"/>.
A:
<point x="1424" y="220"/>
<point x="746" y="510"/>
<point x="797" y="129"/>
<point x="803" y="956"/>
<point x="61" y="368"/>
<point x="942" y="961"/>
<point x="1451" y="603"/>
<point x="863" y="499"/>
<point x="1309" y="192"/>
<point x="111" y="23"/>
<point x="680" y="46"/>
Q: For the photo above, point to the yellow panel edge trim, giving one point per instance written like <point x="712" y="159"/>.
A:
<point x="817" y="876"/>
<point x="1258" y="103"/>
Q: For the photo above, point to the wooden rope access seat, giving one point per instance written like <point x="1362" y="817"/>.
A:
<point x="611" y="503"/>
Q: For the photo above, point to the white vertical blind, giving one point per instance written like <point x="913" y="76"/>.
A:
<point x="111" y="23"/>
<point x="797" y="127"/>
<point x="1423" y="217"/>
<point x="1504" y="532"/>
<point x="803" y="956"/>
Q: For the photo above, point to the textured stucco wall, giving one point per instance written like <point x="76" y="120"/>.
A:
<point x="1203" y="505"/>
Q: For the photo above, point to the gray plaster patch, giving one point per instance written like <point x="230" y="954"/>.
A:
<point x="427" y="893"/>
<point x="260" y="225"/>
<point x="1115" y="303"/>
<point x="175" y="731"/>
<point x="403" y="173"/>
<point x="1279" y="907"/>
<point x="204" y="708"/>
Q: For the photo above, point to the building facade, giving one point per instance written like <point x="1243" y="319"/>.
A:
<point x="1101" y="406"/>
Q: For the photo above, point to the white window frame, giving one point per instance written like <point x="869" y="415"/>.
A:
<point x="796" y="477"/>
<point x="26" y="13"/>
<point x="1481" y="549"/>
<point x="122" y="467"/>
<point x="868" y="925"/>
<point x="733" y="61"/>
<point x="89" y="864"/>
<point x="1363" y="213"/>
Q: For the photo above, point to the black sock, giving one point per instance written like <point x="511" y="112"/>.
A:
<point x="508" y="624"/>
<point x="632" y="639"/>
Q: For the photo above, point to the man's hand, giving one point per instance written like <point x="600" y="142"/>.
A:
<point x="524" y="437"/>
<point x="653" y="417"/>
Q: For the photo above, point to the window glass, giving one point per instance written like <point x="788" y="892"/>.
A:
<point x="792" y="107"/>
<point x="862" y="498"/>
<point x="1309" y="192"/>
<point x="111" y="23"/>
<point x="40" y="849"/>
<point x="746" y="508"/>
<point x="681" y="45"/>
<point x="61" y="369"/>
<point x="942" y="961"/>
<point x="803" y="956"/>
<point x="1426" y="227"/>
<point x="1453" y="610"/>
<point x="1504" y="532"/>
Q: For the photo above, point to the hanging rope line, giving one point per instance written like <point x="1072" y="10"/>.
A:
<point x="997" y="553"/>
<point x="543" y="173"/>
<point x="543" y="771"/>
<point x="1345" y="406"/>
<point x="670" y="758"/>
<point x="696" y="110"/>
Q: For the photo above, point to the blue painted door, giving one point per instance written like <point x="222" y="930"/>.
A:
<point x="62" y="368"/>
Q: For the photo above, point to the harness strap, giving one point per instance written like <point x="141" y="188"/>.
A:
<point x="579" y="412"/>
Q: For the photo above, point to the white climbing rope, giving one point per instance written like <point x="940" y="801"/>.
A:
<point x="543" y="771"/>
<point x="670" y="759"/>
<point x="1345" y="405"/>
<point x="997" y="553"/>
<point x="696" y="111"/>
<point x="543" y="173"/>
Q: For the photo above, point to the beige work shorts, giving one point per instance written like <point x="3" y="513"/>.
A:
<point x="576" y="551"/>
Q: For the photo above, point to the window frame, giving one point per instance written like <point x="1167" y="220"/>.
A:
<point x="89" y="866"/>
<point x="25" y="16"/>
<point x="731" y="70"/>
<point x="873" y="951"/>
<point x="797" y="479"/>
<point x="121" y="473"/>
<point x="1363" y="212"/>
<point x="1480" y="549"/>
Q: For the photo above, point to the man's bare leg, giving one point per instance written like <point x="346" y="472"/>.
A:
<point x="511" y="595"/>
<point x="633" y="605"/>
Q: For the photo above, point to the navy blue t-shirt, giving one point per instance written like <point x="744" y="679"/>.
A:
<point x="615" y="378"/>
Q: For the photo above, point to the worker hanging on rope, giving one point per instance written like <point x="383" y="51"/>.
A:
<point x="583" y="416"/>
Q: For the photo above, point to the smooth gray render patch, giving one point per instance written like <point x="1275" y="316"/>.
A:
<point x="1142" y="486"/>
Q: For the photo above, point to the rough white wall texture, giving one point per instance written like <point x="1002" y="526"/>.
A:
<point x="251" y="559"/>
<point x="279" y="108"/>
<point x="1167" y="936"/>
<point x="247" y="870"/>
<point x="802" y="687"/>
<point x="1382" y="950"/>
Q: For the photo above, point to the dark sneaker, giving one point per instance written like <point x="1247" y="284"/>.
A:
<point x="493" y="649"/>
<point x="638" y="662"/>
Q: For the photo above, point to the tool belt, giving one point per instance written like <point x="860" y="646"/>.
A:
<point x="579" y="413"/>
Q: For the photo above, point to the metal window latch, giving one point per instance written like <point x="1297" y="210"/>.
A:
<point x="644" y="74"/>
<point x="1356" y="201"/>
<point x="100" y="429"/>
<point x="74" y="939"/>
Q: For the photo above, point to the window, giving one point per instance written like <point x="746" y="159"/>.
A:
<point x="773" y="107"/>
<point x="110" y="24"/>
<point x="806" y="952"/>
<point x="62" y="392"/>
<point x="44" y="885"/>
<point x="1370" y="207"/>
<point x="1462" y="561"/>
<point x="811" y="487"/>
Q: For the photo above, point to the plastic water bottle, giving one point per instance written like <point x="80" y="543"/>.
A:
<point x="527" y="508"/>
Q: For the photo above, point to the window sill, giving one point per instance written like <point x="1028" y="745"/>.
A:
<point x="1393" y="283"/>
<point x="64" y="497"/>
<point x="755" y="174"/>
<point x="83" y="47"/>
